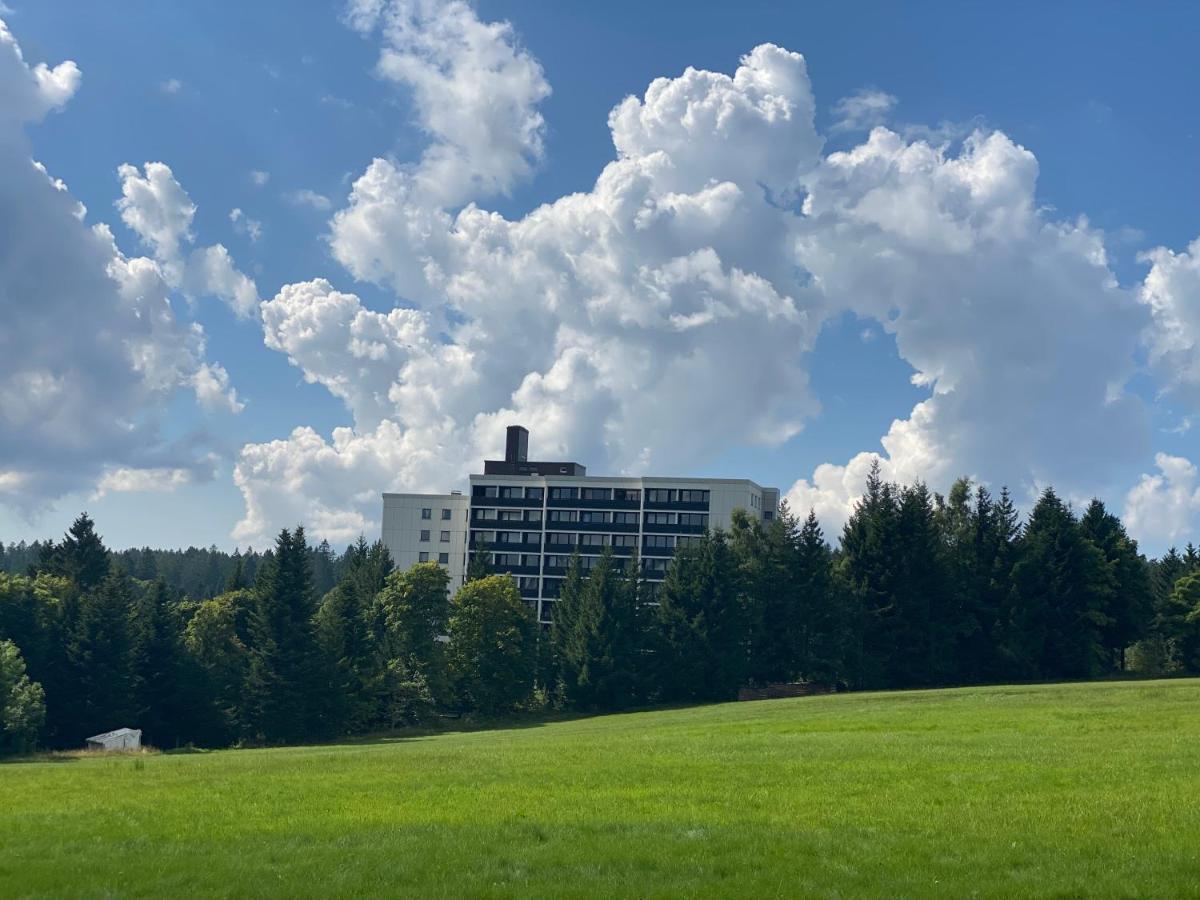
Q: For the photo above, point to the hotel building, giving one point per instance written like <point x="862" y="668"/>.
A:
<point x="531" y="516"/>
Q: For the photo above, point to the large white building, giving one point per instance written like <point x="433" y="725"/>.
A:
<point x="531" y="516"/>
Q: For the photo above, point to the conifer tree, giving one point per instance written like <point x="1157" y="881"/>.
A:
<point x="159" y="705"/>
<point x="82" y="556"/>
<point x="1061" y="584"/>
<point x="1130" y="602"/>
<point x="597" y="637"/>
<point x="98" y="654"/>
<point x="285" y="694"/>
<point x="701" y="623"/>
<point x="825" y="627"/>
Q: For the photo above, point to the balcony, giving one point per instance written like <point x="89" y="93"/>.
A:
<point x="568" y="503"/>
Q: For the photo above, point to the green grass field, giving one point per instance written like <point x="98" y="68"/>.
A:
<point x="1061" y="791"/>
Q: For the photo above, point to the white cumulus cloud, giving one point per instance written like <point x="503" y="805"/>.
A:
<point x="1165" y="508"/>
<point x="90" y="349"/>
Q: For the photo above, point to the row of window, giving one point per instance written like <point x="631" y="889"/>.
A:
<point x="583" y="539"/>
<point x="629" y="495"/>
<point x="443" y="558"/>
<point x="507" y="515"/>
<point x="673" y="495"/>
<point x="427" y="513"/>
<point x="443" y="536"/>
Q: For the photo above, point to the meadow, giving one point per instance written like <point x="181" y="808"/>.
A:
<point x="1052" y="790"/>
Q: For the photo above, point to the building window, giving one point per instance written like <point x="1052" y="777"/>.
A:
<point x="660" y="541"/>
<point x="422" y="556"/>
<point x="445" y="515"/>
<point x="693" y="496"/>
<point x="557" y="562"/>
<point x="589" y="562"/>
<point x="625" y="518"/>
<point x="485" y="490"/>
<point x="533" y="515"/>
<point x="597" y="493"/>
<point x="564" y="515"/>
<point x="510" y="515"/>
<point x="533" y="493"/>
<point x="593" y="540"/>
<point x="653" y="518"/>
<point x="624" y="540"/>
<point x="768" y="515"/>
<point x="595" y="518"/>
<point x="444" y="558"/>
<point x="627" y="494"/>
<point x="529" y="560"/>
<point x="426" y="513"/>
<point x="693" y="519"/>
<point x="484" y="537"/>
<point x="444" y="537"/>
<point x="659" y="495"/>
<point x="687" y="541"/>
<point x="564" y="493"/>
<point x="424" y="534"/>
<point x="511" y="493"/>
<point x="527" y="583"/>
<point x="560" y="537"/>
<point x="508" y="559"/>
<point x="656" y="566"/>
<point x="484" y="515"/>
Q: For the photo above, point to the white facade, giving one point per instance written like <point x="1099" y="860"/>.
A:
<point x="530" y="524"/>
<point x="428" y="528"/>
<point x="121" y="739"/>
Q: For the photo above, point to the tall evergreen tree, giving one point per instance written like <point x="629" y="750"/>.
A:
<point x="868" y="566"/>
<point x="98" y="654"/>
<point x="1130" y="602"/>
<point x="597" y="637"/>
<point x="825" y="627"/>
<point x="702" y="624"/>
<point x="1061" y="584"/>
<point x="81" y="556"/>
<point x="159" y="706"/>
<point x="286" y="696"/>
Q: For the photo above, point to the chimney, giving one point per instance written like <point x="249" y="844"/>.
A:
<point x="516" y="444"/>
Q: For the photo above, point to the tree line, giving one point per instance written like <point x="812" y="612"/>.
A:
<point x="922" y="590"/>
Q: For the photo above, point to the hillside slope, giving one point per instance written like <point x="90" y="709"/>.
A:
<point x="1065" y="790"/>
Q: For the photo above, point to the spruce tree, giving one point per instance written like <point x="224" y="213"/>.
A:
<point x="158" y="703"/>
<point x="823" y="624"/>
<point x="1130" y="603"/>
<point x="1061" y="584"/>
<point x="598" y="638"/>
<point x="869" y="569"/>
<point x="98" y="654"/>
<point x="702" y="626"/>
<point x="286" y="697"/>
<point x="82" y="556"/>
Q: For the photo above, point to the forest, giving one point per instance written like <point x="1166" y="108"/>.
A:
<point x="298" y="643"/>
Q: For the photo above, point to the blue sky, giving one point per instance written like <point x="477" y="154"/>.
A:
<point x="1103" y="95"/>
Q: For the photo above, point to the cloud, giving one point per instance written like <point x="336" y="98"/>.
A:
<point x="1165" y="508"/>
<point x="171" y="86"/>
<point x="474" y="89"/>
<point x="259" y="178"/>
<point x="862" y="110"/>
<point x="243" y="224"/>
<point x="664" y="315"/>
<point x="308" y="197"/>
<point x="91" y="352"/>
<point x="1171" y="291"/>
<point x="669" y="279"/>
<point x="116" y="481"/>
<point x="157" y="208"/>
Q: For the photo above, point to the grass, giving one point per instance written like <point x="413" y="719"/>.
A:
<point x="1053" y="791"/>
